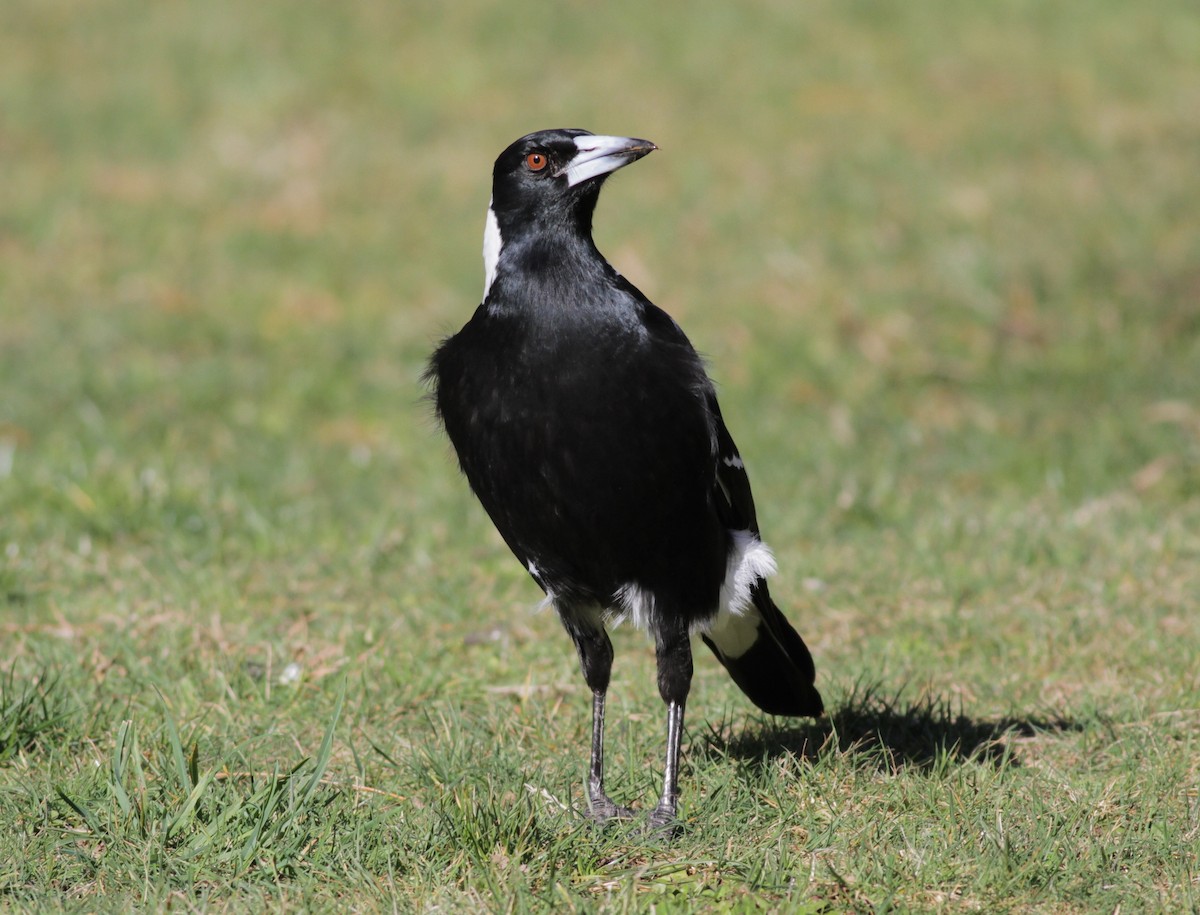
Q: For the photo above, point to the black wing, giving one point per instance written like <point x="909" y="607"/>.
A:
<point x="736" y="502"/>
<point x="776" y="672"/>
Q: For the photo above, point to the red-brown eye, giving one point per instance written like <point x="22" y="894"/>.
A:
<point x="535" y="162"/>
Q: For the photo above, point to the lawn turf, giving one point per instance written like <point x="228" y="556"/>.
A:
<point x="261" y="648"/>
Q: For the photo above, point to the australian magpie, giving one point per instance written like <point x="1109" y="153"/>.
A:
<point x="587" y="426"/>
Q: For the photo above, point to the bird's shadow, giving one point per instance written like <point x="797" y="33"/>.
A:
<point x="884" y="730"/>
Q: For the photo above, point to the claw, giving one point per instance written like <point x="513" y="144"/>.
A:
<point x="603" y="810"/>
<point x="663" y="823"/>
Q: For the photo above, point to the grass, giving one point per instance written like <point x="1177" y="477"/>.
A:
<point x="261" y="650"/>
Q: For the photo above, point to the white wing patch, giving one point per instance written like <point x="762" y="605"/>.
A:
<point x="492" y="243"/>
<point x="733" y="461"/>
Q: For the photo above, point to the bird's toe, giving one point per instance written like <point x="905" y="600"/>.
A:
<point x="603" y="810"/>
<point x="663" y="823"/>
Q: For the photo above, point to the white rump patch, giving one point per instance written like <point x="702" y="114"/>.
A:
<point x="749" y="560"/>
<point x="734" y="635"/>
<point x="492" y="243"/>
<point x="735" y="627"/>
<point x="735" y="624"/>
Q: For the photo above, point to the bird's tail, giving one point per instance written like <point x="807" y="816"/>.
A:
<point x="767" y="658"/>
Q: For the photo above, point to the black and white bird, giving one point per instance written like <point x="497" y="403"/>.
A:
<point x="585" y="423"/>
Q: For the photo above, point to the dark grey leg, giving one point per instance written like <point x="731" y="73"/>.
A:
<point x="595" y="659"/>
<point x="674" y="651"/>
<point x="664" y="815"/>
<point x="600" y="805"/>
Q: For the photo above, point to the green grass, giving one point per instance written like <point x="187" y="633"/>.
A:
<point x="261" y="649"/>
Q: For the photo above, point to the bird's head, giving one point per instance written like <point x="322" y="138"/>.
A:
<point x="545" y="185"/>
<point x="556" y="174"/>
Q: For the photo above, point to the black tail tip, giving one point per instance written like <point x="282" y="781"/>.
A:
<point x="773" y="681"/>
<point x="803" y="702"/>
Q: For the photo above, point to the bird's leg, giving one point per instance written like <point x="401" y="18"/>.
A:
<point x="674" y="653"/>
<point x="664" y="815"/>
<point x="595" y="659"/>
<point x="602" y="807"/>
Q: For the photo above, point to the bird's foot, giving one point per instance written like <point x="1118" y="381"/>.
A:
<point x="602" y="809"/>
<point x="663" y="822"/>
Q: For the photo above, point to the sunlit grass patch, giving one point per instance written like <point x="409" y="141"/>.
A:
<point x="261" y="649"/>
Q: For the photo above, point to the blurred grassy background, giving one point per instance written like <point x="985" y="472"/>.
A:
<point x="944" y="259"/>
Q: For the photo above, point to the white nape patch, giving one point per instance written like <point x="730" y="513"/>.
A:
<point x="733" y="461"/>
<point x="597" y="156"/>
<point x="492" y="243"/>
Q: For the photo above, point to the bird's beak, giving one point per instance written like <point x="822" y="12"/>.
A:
<point x="602" y="155"/>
